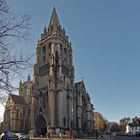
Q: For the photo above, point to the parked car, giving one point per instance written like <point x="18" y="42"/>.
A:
<point x="137" y="134"/>
<point x="9" y="135"/>
<point x="22" y="136"/>
<point x="1" y="135"/>
<point x="129" y="134"/>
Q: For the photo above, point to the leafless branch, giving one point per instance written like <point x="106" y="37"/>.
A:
<point x="13" y="28"/>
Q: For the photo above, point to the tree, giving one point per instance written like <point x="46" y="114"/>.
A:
<point x="100" y="122"/>
<point x="13" y="28"/>
<point x="114" y="127"/>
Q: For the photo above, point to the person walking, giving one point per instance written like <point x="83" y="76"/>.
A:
<point x="110" y="135"/>
<point x="60" y="135"/>
<point x="73" y="136"/>
<point x="96" y="134"/>
<point x="5" y="136"/>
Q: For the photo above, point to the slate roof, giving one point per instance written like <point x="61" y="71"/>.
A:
<point x="134" y="124"/>
<point x="78" y="84"/>
<point x="21" y="100"/>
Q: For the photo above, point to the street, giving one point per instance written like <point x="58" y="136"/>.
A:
<point x="107" y="137"/>
<point x="124" y="138"/>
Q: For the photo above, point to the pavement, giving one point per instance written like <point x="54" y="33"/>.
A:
<point x="88" y="138"/>
<point x="105" y="137"/>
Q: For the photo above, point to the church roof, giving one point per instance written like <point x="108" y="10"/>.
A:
<point x="78" y="83"/>
<point x="20" y="99"/>
<point x="54" y="21"/>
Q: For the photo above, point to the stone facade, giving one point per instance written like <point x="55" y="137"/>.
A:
<point x="52" y="102"/>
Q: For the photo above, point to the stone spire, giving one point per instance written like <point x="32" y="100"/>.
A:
<point x="54" y="21"/>
<point x="29" y="78"/>
<point x="20" y="83"/>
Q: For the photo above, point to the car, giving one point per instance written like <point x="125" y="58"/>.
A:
<point x="1" y="135"/>
<point x="10" y="136"/>
<point x="114" y="133"/>
<point x="137" y="134"/>
<point x="22" y="136"/>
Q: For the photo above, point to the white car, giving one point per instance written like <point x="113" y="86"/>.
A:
<point x="22" y="136"/>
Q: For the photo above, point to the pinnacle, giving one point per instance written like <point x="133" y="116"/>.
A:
<point x="54" y="19"/>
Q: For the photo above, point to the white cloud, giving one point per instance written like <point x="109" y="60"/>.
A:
<point x="1" y="112"/>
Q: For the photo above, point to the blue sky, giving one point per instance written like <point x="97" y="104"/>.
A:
<point x="105" y="36"/>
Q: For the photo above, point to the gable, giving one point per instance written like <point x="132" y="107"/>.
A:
<point x="80" y="87"/>
<point x="9" y="101"/>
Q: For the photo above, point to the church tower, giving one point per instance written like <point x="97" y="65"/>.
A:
<point x="54" y="78"/>
<point x="52" y="102"/>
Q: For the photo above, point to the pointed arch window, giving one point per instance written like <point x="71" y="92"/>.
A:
<point x="23" y="113"/>
<point x="64" y="121"/>
<point x="64" y="80"/>
<point x="60" y="46"/>
<point x="44" y="59"/>
<point x="44" y="54"/>
<point x="65" y="50"/>
<point x="49" y="49"/>
<point x="61" y="51"/>
<point x="40" y="110"/>
<point x="49" y="44"/>
<point x="17" y="114"/>
<point x="44" y="49"/>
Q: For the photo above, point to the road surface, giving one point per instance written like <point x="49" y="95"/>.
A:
<point x="107" y="137"/>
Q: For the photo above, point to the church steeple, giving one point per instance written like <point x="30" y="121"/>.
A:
<point x="54" y="21"/>
<point x="54" y="27"/>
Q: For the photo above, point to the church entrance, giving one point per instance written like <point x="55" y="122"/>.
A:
<point x="41" y="126"/>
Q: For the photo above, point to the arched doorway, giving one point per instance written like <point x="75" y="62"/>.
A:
<point x="41" y="125"/>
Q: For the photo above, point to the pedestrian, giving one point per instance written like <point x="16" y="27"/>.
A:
<point x="49" y="135"/>
<point x="73" y="135"/>
<point x="110" y="135"/>
<point x="5" y="136"/>
<point x="60" y="135"/>
<point x="96" y="134"/>
<point x="101" y="136"/>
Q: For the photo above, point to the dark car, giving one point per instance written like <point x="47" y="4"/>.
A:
<point x="10" y="136"/>
<point x="137" y="134"/>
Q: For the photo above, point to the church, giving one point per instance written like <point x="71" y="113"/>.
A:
<point x="52" y="102"/>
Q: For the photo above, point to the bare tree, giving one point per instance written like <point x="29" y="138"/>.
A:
<point x="13" y="28"/>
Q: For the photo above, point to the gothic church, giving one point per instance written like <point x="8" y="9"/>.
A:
<point x="52" y="102"/>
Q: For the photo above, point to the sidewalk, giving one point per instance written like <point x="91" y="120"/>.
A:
<point x="105" y="137"/>
<point x="93" y="138"/>
<point x="88" y="138"/>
